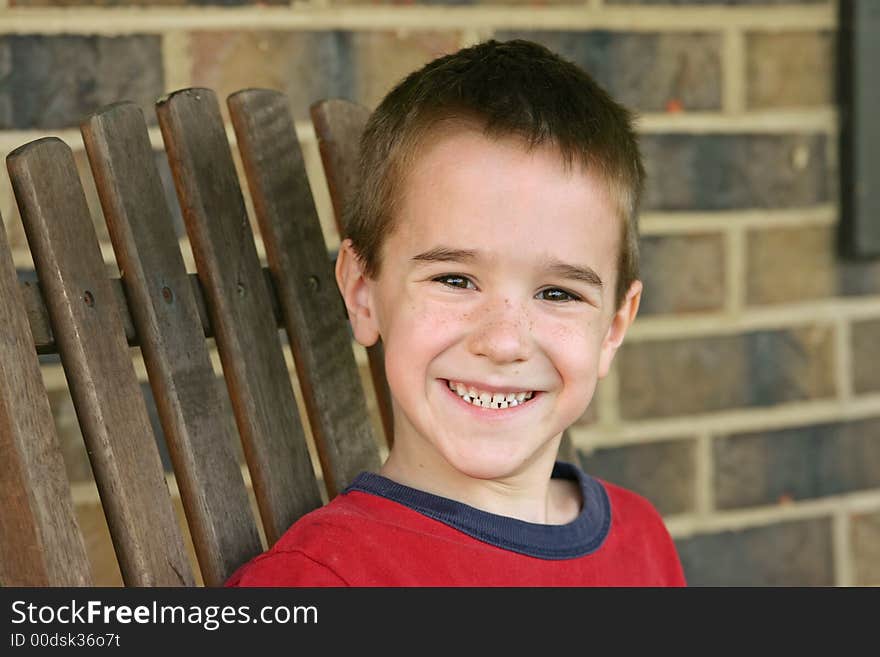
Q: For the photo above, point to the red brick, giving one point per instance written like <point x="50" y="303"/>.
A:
<point x="664" y="378"/>
<point x="54" y="81"/>
<point x="663" y="472"/>
<point x="120" y="3"/>
<point x="682" y="273"/>
<point x="785" y="265"/>
<point x="796" y="553"/>
<point x="647" y="71"/>
<point x="730" y="171"/>
<point x="789" y="69"/>
<point x="865" y="540"/>
<point x="866" y="355"/>
<point x="774" y="467"/>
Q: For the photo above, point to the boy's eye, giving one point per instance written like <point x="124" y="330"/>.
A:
<point x="455" y="280"/>
<point x="556" y="294"/>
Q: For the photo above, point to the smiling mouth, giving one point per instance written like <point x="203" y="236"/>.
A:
<point x="485" y="399"/>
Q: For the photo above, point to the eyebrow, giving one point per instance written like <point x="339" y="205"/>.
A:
<point x="556" y="267"/>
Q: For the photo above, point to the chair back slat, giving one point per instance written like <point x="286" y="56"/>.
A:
<point x="40" y="540"/>
<point x="198" y="432"/>
<point x="103" y="385"/>
<point x="304" y="280"/>
<point x="339" y="125"/>
<point x="240" y="308"/>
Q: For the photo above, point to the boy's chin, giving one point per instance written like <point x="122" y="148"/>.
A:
<point x="490" y="466"/>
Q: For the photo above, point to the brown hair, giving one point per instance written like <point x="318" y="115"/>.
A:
<point x="511" y="89"/>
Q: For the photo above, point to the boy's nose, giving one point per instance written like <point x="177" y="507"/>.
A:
<point x="502" y="334"/>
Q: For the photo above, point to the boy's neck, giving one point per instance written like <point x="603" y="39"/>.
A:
<point x="531" y="496"/>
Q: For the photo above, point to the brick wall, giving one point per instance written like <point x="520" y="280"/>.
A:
<point x="746" y="401"/>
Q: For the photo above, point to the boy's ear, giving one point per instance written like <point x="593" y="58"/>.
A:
<point x="620" y="322"/>
<point x="356" y="290"/>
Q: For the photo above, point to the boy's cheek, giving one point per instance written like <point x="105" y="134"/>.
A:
<point x="419" y="325"/>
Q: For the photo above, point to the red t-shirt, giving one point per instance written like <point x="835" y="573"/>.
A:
<point x="380" y="533"/>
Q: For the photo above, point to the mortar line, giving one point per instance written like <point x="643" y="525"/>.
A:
<point x="474" y="35"/>
<point x="705" y="494"/>
<point x="609" y="400"/>
<point x="741" y="420"/>
<point x="735" y="270"/>
<point x="820" y="119"/>
<point x="176" y="60"/>
<point x="130" y="20"/>
<point x="733" y="57"/>
<point x="841" y="549"/>
<point x="844" y="364"/>
<point x="684" y="526"/>
<point x="778" y="317"/>
<point x="651" y="223"/>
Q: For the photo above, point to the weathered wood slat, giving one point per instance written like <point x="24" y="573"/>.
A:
<point x="304" y="280"/>
<point x="198" y="433"/>
<point x="40" y="540"/>
<point x="339" y="125"/>
<point x="106" y="395"/>
<point x="240" y="308"/>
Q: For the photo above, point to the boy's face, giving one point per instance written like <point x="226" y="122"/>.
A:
<point x="499" y="276"/>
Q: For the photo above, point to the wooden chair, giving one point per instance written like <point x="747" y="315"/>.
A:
<point x="92" y="319"/>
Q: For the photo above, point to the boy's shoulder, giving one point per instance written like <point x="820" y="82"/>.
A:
<point x="333" y="529"/>
<point x="636" y="524"/>
<point x="632" y="513"/>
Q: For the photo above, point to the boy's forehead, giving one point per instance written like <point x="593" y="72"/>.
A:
<point x="461" y="152"/>
<point x="458" y="162"/>
<point x="471" y="193"/>
<point x="468" y="138"/>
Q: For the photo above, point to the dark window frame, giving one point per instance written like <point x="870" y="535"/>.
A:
<point x="859" y="106"/>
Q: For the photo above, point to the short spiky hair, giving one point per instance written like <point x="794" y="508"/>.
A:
<point x="512" y="89"/>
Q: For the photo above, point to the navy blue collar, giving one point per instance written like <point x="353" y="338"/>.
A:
<point x="578" y="538"/>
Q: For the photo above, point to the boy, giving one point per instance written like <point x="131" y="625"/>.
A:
<point x="492" y="246"/>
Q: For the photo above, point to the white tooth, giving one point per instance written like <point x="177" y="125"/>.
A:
<point x="477" y="402"/>
<point x="460" y="389"/>
<point x="497" y="397"/>
<point x="510" y="396"/>
<point x="451" y="385"/>
<point x="502" y="404"/>
<point x="528" y="395"/>
<point x="485" y="397"/>
<point x="520" y="396"/>
<point x="472" y="392"/>
<point x="513" y="403"/>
